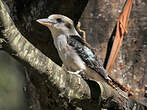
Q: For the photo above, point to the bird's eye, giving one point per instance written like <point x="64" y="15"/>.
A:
<point x="59" y="20"/>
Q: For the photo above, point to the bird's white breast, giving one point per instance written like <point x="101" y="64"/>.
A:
<point x="68" y="56"/>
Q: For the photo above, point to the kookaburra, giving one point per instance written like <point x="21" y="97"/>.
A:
<point x="73" y="51"/>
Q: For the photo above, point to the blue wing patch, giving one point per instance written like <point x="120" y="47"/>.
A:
<point x="86" y="54"/>
<point x="90" y="54"/>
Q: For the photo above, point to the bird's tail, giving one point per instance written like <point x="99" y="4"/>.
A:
<point x="114" y="83"/>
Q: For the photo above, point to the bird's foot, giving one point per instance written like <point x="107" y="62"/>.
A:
<point x="79" y="73"/>
<point x="75" y="73"/>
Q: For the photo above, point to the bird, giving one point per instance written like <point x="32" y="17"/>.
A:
<point x="75" y="54"/>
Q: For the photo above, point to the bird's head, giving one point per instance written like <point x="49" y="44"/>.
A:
<point x="59" y="24"/>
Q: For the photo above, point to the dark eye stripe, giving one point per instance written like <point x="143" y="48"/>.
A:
<point x="59" y="20"/>
<point x="68" y="25"/>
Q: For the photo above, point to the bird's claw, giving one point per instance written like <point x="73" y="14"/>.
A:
<point x="77" y="73"/>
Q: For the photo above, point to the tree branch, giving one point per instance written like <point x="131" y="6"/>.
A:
<point x="25" y="51"/>
<point x="69" y="85"/>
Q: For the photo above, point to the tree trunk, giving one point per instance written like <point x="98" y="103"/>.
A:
<point x="99" y="20"/>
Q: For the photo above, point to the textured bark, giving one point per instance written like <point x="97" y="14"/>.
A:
<point x="99" y="20"/>
<point x="25" y="51"/>
<point x="67" y="86"/>
<point x="49" y="79"/>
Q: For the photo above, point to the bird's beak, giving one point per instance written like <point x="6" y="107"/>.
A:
<point x="44" y="22"/>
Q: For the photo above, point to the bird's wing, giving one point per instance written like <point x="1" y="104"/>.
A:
<point x="86" y="54"/>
